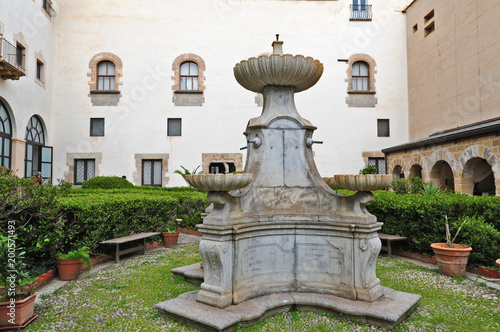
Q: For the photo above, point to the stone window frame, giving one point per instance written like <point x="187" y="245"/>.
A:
<point x="69" y="175"/>
<point x="176" y="67"/>
<point x="371" y="73"/>
<point x="96" y="59"/>
<point x="19" y="40"/>
<point x="139" y="157"/>
<point x="40" y="59"/>
<point x="208" y="158"/>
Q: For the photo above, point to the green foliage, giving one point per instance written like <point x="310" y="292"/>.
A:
<point x="431" y="189"/>
<point x="421" y="219"/>
<point x="81" y="254"/>
<point x="368" y="170"/>
<point x="12" y="258"/>
<point x="407" y="186"/>
<point x="107" y="182"/>
<point x="186" y="171"/>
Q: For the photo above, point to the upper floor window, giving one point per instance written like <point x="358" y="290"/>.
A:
<point x="361" y="10"/>
<point x="189" y="80"/>
<point x="360" y="76"/>
<point x="189" y="76"/>
<point x="20" y="55"/>
<point x="106" y="76"/>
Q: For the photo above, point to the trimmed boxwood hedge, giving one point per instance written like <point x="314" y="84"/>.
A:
<point x="421" y="219"/>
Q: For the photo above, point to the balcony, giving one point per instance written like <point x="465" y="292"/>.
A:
<point x="47" y="5"/>
<point x="361" y="13"/>
<point x="12" y="61"/>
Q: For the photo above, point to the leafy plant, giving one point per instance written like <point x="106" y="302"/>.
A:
<point x="411" y="185"/>
<point x="430" y="188"/>
<point x="81" y="254"/>
<point x="13" y="270"/>
<point x="170" y="227"/>
<point x="185" y="171"/>
<point x="449" y="241"/>
<point x="372" y="169"/>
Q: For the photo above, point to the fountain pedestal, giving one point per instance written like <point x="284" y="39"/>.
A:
<point x="287" y="232"/>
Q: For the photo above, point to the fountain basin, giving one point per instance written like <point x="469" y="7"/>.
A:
<point x="297" y="71"/>
<point x="362" y="182"/>
<point x="219" y="182"/>
<point x="330" y="181"/>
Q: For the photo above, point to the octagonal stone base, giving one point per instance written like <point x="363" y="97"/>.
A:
<point x="388" y="311"/>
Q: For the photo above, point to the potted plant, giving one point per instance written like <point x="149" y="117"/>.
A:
<point x="451" y="257"/>
<point x="70" y="264"/>
<point x="170" y="234"/>
<point x="17" y="300"/>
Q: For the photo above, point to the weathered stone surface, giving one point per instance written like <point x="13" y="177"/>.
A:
<point x="388" y="311"/>
<point x="361" y="100"/>
<point x="104" y="99"/>
<point x="192" y="273"/>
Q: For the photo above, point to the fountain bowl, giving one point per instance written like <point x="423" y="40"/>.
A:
<point x="362" y="182"/>
<point x="330" y="181"/>
<point x="219" y="182"/>
<point x="297" y="71"/>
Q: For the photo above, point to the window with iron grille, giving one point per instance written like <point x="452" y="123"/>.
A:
<point x="189" y="76"/>
<point x="379" y="163"/>
<point x="151" y="172"/>
<point x="361" y="10"/>
<point x="106" y="76"/>
<point x="84" y="170"/>
<point x="360" y="76"/>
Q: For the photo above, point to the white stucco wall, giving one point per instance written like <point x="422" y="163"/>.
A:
<point x="24" y="97"/>
<point x="149" y="35"/>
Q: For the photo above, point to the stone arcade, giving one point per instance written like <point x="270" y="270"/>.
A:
<point x="278" y="238"/>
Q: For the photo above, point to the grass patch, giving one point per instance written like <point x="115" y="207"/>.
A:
<point x="122" y="298"/>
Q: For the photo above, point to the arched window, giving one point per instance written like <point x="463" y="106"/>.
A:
<point x="38" y="157"/>
<point x="189" y="76"/>
<point x="106" y="76"/>
<point x="5" y="136"/>
<point x="360" y="76"/>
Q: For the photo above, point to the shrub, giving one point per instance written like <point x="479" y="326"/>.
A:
<point x="368" y="170"/>
<point x="107" y="182"/>
<point x="421" y="219"/>
<point x="407" y="186"/>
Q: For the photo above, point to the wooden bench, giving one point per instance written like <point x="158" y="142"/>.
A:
<point x="389" y="238"/>
<point x="129" y="238"/>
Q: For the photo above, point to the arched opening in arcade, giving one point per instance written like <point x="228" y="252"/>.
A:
<point x="478" y="178"/>
<point x="442" y="175"/>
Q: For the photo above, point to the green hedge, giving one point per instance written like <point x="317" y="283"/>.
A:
<point x="107" y="182"/>
<point x="421" y="219"/>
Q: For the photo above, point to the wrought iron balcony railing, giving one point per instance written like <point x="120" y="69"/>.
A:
<point x="361" y="12"/>
<point x="12" y="60"/>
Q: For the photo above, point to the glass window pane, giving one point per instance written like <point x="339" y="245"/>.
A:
<point x="193" y="69"/>
<point x="102" y="68"/>
<point x="174" y="127"/>
<point x="195" y="83"/>
<point x="79" y="171"/>
<point x="29" y="152"/>
<point x="97" y="127"/>
<point x="100" y="83"/>
<point x="355" y="69"/>
<point x="46" y="155"/>
<point x="383" y="127"/>
<point x="6" y="162"/>
<point x="112" y="83"/>
<point x="189" y="85"/>
<point x="146" y="178"/>
<point x="111" y="68"/>
<point x="157" y="173"/>
<point x="106" y="83"/>
<point x="46" y="170"/>
<point x="183" y="83"/>
<point x="363" y="69"/>
<point x="185" y="68"/>
<point x="29" y="169"/>
<point x="90" y="169"/>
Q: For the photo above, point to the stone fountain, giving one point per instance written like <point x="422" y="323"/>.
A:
<point x="277" y="237"/>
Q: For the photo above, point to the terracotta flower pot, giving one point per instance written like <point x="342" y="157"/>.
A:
<point x="21" y="312"/>
<point x="498" y="262"/>
<point x="68" y="269"/>
<point x="451" y="261"/>
<point x="170" y="239"/>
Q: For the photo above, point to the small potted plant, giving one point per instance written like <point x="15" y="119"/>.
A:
<point x="70" y="264"/>
<point x="170" y="234"/>
<point x="17" y="300"/>
<point x="451" y="257"/>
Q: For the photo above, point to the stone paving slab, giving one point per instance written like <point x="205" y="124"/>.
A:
<point x="387" y="312"/>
